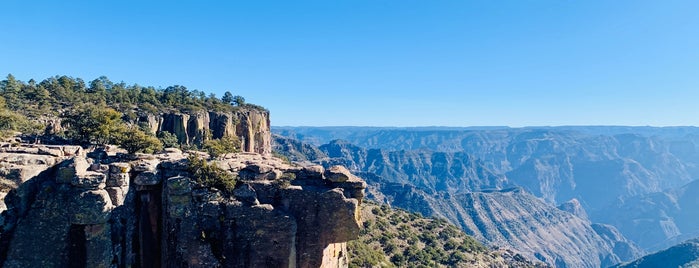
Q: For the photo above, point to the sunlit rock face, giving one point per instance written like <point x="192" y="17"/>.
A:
<point x="251" y="126"/>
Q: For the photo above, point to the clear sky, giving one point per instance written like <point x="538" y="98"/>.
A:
<point x="380" y="62"/>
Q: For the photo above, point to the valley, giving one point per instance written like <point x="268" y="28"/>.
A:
<point x="631" y="186"/>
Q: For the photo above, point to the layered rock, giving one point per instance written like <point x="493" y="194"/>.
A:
<point x="152" y="212"/>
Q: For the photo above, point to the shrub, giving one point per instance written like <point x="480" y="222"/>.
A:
<point x="135" y="140"/>
<point x="218" y="147"/>
<point x="168" y="139"/>
<point x="210" y="175"/>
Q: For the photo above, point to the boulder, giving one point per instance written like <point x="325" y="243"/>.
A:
<point x="89" y="180"/>
<point x="119" y="168"/>
<point x="118" y="179"/>
<point x="71" y="167"/>
<point x="310" y="172"/>
<point x="117" y="195"/>
<point x="246" y="194"/>
<point x="148" y="178"/>
<point x="91" y="207"/>
<point x="338" y="174"/>
<point x="142" y="165"/>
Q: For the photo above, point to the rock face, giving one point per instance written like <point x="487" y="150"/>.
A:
<point x="251" y="126"/>
<point x="150" y="212"/>
<point x="515" y="219"/>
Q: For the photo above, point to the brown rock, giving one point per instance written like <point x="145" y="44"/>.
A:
<point x="338" y="174"/>
<point x="119" y="168"/>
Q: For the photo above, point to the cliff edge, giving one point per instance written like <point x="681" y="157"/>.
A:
<point x="77" y="210"/>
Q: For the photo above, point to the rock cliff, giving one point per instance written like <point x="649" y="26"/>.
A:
<point x="149" y="211"/>
<point x="251" y="126"/>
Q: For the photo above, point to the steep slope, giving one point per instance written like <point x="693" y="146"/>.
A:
<point x="658" y="220"/>
<point x="508" y="218"/>
<point x="684" y="255"/>
<point x="396" y="238"/>
<point x="517" y="220"/>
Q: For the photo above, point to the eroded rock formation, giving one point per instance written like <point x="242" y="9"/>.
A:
<point x="251" y="126"/>
<point x="150" y="212"/>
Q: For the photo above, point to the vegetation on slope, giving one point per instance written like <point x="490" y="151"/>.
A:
<point x="682" y="255"/>
<point x="104" y="112"/>
<point x="396" y="238"/>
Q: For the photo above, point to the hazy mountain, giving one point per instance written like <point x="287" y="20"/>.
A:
<point x="557" y="164"/>
<point x="683" y="255"/>
<point x="618" y="175"/>
<point x="657" y="220"/>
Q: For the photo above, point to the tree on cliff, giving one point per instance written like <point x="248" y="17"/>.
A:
<point x="134" y="140"/>
<point x="224" y="145"/>
<point x="227" y="97"/>
<point x="239" y="100"/>
<point x="97" y="124"/>
<point x="94" y="124"/>
<point x="11" y="121"/>
<point x="38" y="102"/>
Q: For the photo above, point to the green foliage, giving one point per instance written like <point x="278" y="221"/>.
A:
<point x="239" y="100"/>
<point x="134" y="140"/>
<point x="210" y="175"/>
<point x="68" y="96"/>
<point x="14" y="122"/>
<point x="168" y="139"/>
<point x="227" y="97"/>
<point x="218" y="147"/>
<point x="94" y="124"/>
<point x="365" y="256"/>
<point x="405" y="239"/>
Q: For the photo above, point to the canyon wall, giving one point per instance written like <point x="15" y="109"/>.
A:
<point x="251" y="126"/>
<point x="92" y="210"/>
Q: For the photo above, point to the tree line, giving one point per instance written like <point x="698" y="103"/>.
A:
<point x="103" y="112"/>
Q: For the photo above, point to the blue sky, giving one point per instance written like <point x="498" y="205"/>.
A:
<point x="382" y="63"/>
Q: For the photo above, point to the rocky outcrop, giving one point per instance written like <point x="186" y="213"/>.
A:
<point x="152" y="212"/>
<point x="573" y="207"/>
<point x="251" y="126"/>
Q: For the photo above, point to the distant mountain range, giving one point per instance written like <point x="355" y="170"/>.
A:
<point x="447" y="171"/>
